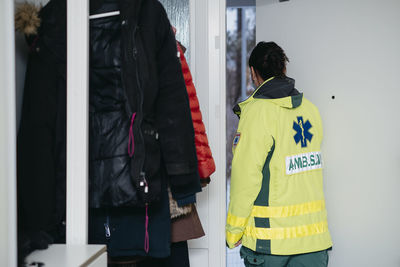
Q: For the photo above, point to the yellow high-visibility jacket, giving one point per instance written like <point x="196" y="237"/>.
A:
<point x="277" y="202"/>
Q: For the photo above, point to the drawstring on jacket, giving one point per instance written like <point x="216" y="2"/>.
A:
<point x="131" y="150"/>
<point x="146" y="237"/>
<point x="131" y="143"/>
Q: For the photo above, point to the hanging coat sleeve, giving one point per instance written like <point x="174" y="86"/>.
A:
<point x="36" y="139"/>
<point x="173" y="115"/>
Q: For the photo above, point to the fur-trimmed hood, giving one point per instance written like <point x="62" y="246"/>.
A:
<point x="27" y="20"/>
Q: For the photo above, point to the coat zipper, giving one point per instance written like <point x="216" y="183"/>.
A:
<point x="107" y="228"/>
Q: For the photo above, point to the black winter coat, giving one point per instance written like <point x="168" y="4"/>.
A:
<point x="152" y="87"/>
<point x="41" y="148"/>
<point x="153" y="90"/>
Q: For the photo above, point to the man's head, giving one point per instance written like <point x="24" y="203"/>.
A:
<point x="267" y="60"/>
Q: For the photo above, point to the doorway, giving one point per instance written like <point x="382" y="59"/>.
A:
<point x="240" y="40"/>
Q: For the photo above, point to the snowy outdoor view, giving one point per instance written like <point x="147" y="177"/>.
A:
<point x="240" y="40"/>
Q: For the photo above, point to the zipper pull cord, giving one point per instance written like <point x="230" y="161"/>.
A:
<point x="146" y="237"/>
<point x="131" y="143"/>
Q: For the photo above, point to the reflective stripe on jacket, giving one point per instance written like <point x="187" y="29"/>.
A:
<point x="276" y="197"/>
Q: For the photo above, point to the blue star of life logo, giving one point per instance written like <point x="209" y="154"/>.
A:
<point x="302" y="131"/>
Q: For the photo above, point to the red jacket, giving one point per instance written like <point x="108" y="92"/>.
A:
<point x="206" y="165"/>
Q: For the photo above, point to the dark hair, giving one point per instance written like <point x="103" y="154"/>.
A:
<point x="269" y="60"/>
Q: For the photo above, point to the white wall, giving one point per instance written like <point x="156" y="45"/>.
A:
<point x="350" y="49"/>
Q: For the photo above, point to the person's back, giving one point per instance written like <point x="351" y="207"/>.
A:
<point x="277" y="208"/>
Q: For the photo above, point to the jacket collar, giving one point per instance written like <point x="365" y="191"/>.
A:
<point x="280" y="91"/>
<point x="276" y="88"/>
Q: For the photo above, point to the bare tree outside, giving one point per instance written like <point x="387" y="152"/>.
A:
<point x="234" y="70"/>
<point x="240" y="40"/>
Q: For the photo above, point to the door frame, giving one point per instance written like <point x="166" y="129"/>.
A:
<point x="208" y="65"/>
<point x="8" y="208"/>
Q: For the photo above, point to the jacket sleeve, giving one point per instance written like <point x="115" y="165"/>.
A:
<point x="36" y="160"/>
<point x="251" y="146"/>
<point x="173" y="116"/>
<point x="206" y="165"/>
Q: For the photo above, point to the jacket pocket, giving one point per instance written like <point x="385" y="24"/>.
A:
<point x="254" y="260"/>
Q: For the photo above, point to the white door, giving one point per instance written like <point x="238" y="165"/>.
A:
<point x="345" y="56"/>
<point x="207" y="62"/>
<point x="8" y="217"/>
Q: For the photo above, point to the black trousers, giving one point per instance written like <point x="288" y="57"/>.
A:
<point x="179" y="258"/>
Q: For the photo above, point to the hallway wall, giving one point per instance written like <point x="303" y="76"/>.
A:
<point x="349" y="50"/>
